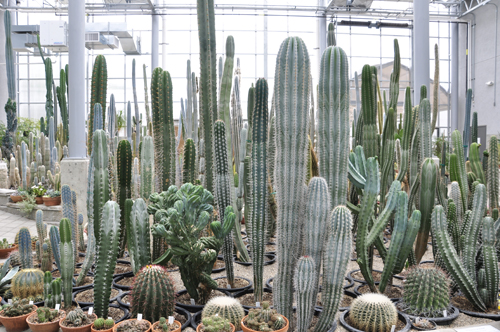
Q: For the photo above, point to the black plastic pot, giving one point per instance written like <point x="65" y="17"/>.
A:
<point x="120" y="299"/>
<point x="358" y="293"/>
<point x="118" y="286"/>
<point x="480" y="314"/>
<point x="126" y="274"/>
<point x="272" y="260"/>
<point x="452" y="314"/>
<point x="343" y="316"/>
<point x="364" y="282"/>
<point x="196" y="307"/>
<point x="91" y="304"/>
<point x="249" y="291"/>
<point x="413" y="326"/>
<point x="219" y="258"/>
<point x="126" y="313"/>
<point x="350" y="294"/>
<point x="235" y="290"/>
<point x="267" y="252"/>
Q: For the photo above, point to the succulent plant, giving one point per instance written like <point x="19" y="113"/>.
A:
<point x="226" y="307"/>
<point x="215" y="324"/>
<point x="165" y="326"/>
<point x="373" y="313"/>
<point x="46" y="314"/>
<point x="99" y="324"/>
<point x="264" y="319"/>
<point x="25" y="248"/>
<point x="27" y="282"/>
<point x="76" y="318"/>
<point x="137" y="223"/>
<point x="18" y="308"/>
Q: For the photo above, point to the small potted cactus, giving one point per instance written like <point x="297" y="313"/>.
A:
<point x="163" y="326"/>
<point x="264" y="319"/>
<point x="52" y="198"/>
<point x="103" y="325"/>
<point x="13" y="316"/>
<point x="77" y="321"/>
<point x="6" y="248"/>
<point x="133" y="325"/>
<point x="45" y="320"/>
<point x="215" y="323"/>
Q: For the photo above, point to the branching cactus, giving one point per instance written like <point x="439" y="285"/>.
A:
<point x="106" y="257"/>
<point x="138" y="234"/>
<point x="189" y="162"/>
<point x="147" y="168"/>
<point x="291" y="97"/>
<point x="305" y="291"/>
<point x="67" y="260"/>
<point x="98" y="95"/>
<point x="124" y="161"/>
<point x="25" y="250"/>
<point x="333" y="122"/>
<point x="101" y="185"/>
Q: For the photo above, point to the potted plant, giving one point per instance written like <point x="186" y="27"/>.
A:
<point x="52" y="198"/>
<point x="133" y="325"/>
<point x="215" y="324"/>
<point x="6" y="248"/>
<point x="77" y="321"/>
<point x="45" y="320"/>
<point x="13" y="316"/>
<point x="103" y="325"/>
<point x="17" y="196"/>
<point x="265" y="316"/>
<point x="163" y="326"/>
<point x="38" y="191"/>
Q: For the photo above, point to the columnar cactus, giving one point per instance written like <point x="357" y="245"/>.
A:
<point x="69" y="213"/>
<point x="147" y="168"/>
<point x="40" y="229"/>
<point x="98" y="95"/>
<point x="387" y="154"/>
<point x="475" y="163"/>
<point x="466" y="131"/>
<point x="25" y="250"/>
<point x="373" y="313"/>
<point x="135" y="182"/>
<point x="100" y="183"/>
<point x="189" y="160"/>
<point x="138" y="233"/>
<point x="291" y="97"/>
<point x="490" y="260"/>
<point x="425" y="132"/>
<point x="129" y="123"/>
<point x="47" y="279"/>
<point x="333" y="122"/>
<point x="61" y="97"/>
<point x="493" y="173"/>
<point x="54" y="243"/>
<point x="225" y="307"/>
<point x="124" y="162"/>
<point x="458" y="149"/>
<point x="81" y="241"/>
<point x="136" y="107"/>
<point x="106" y="257"/>
<point x="369" y="111"/>
<point x="46" y="263"/>
<point x="67" y="260"/>
<point x="305" y="291"/>
<point x="89" y="254"/>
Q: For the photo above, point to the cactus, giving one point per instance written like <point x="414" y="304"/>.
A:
<point x="47" y="279"/>
<point x="25" y="250"/>
<point x="81" y="241"/>
<point x="138" y="233"/>
<point x="425" y="132"/>
<point x="98" y="95"/>
<point x="493" y="173"/>
<point x="387" y="154"/>
<point x="291" y="159"/>
<point x="147" y="168"/>
<point x="373" y="313"/>
<point x="46" y="259"/>
<point x="77" y="317"/>
<point x="67" y="260"/>
<point x="264" y="319"/>
<point x="69" y="213"/>
<point x="61" y="97"/>
<point x="305" y="290"/>
<point x="369" y="111"/>
<point x="89" y="255"/>
<point x="152" y="293"/>
<point x="106" y="256"/>
<point x="468" y="106"/>
<point x="101" y="185"/>
<point x="225" y="307"/>
<point x="124" y="162"/>
<point x="490" y="262"/>
<point x="475" y="163"/>
<point x="54" y="243"/>
<point x="129" y="122"/>
<point x="189" y="160"/>
<point x="333" y="122"/>
<point x="40" y="229"/>
<point x="27" y="283"/>
<point x="135" y="182"/>
<point x="136" y="106"/>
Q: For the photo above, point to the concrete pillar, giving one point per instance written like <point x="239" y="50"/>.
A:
<point x="421" y="73"/>
<point x="454" y="76"/>
<point x="155" y="40"/>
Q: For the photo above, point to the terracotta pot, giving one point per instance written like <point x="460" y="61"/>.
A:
<point x="15" y="324"/>
<point x="52" y="201"/>
<point x="115" y="328"/>
<point x="85" y="328"/>
<point x="175" y="321"/>
<point x="16" y="198"/>
<point x="198" y="329"/>
<point x="246" y="329"/>
<point x="4" y="253"/>
<point x="39" y="200"/>
<point x="94" y="330"/>
<point x="45" y="327"/>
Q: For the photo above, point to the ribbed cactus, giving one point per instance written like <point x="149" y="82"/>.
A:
<point x="369" y="111"/>
<point x="333" y="122"/>
<point x="461" y="177"/>
<point x="428" y="177"/>
<point x="466" y="131"/>
<point x="54" y="243"/>
<point x="387" y="154"/>
<point x="47" y="279"/>
<point x="129" y="122"/>
<point x="124" y="162"/>
<point x="89" y="254"/>
<point x="67" y="260"/>
<point x="147" y="168"/>
<point x="81" y="241"/>
<point x="27" y="283"/>
<point x="25" y="250"/>
<point x="373" y="313"/>
<point x="138" y="233"/>
<point x="225" y="307"/>
<point x="135" y="183"/>
<point x="69" y="213"/>
<point x="61" y="98"/>
<point x="106" y="257"/>
<point x="475" y="163"/>
<point x="40" y="229"/>
<point x="305" y="291"/>
<point x="426" y="292"/>
<point x="425" y="133"/>
<point x="98" y="95"/>
<point x="46" y="263"/>
<point x="101" y="184"/>
<point x="223" y="190"/>
<point x="189" y="162"/>
<point x="136" y="108"/>
<point x="152" y="293"/>
<point x="493" y="173"/>
<point x="291" y="97"/>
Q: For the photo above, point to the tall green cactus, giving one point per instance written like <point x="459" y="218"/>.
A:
<point x="40" y="229"/>
<point x="458" y="149"/>
<point x="468" y="106"/>
<point x="425" y="129"/>
<point x="101" y="183"/>
<point x="225" y="96"/>
<point x="475" y="163"/>
<point x="61" y="97"/>
<point x="98" y="95"/>
<point x="490" y="260"/>
<point x="189" y="161"/>
<point x="291" y="91"/>
<point x="208" y="82"/>
<point x="69" y="213"/>
<point x="147" y="168"/>
<point x="25" y="251"/>
<point x="331" y="35"/>
<point x="138" y="233"/>
<point x="106" y="257"/>
<point x="474" y="128"/>
<point x="67" y="260"/>
<point x="305" y="277"/>
<point x="49" y="103"/>
<point x="89" y="254"/>
<point x="394" y="81"/>
<point x="54" y="243"/>
<point x="387" y="153"/>
<point x="337" y="254"/>
<point x="333" y="122"/>
<point x="493" y="173"/>
<point x="8" y="147"/>
<point x="369" y="111"/>
<point x="124" y="161"/>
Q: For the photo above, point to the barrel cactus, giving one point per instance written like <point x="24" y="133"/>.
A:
<point x="373" y="313"/>
<point x="25" y="249"/>
<point x="226" y="307"/>
<point x="27" y="283"/>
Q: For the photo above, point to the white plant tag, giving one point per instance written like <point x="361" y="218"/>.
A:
<point x="445" y="313"/>
<point x="393" y="328"/>
<point x="139" y="316"/>
<point x="228" y="286"/>
<point x="31" y="302"/>
<point x="257" y="304"/>
<point x="216" y="315"/>
<point x="192" y="301"/>
<point x="109" y="318"/>
<point x="170" y="320"/>
<point x="90" y="310"/>
<point x="10" y="301"/>
<point x="58" y="306"/>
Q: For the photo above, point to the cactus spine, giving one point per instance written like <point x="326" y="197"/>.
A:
<point x="138" y="233"/>
<point x="475" y="163"/>
<point x="100" y="184"/>
<point x="106" y="257"/>
<point x="493" y="173"/>
<point x="225" y="307"/>
<point x="25" y="250"/>
<point x="8" y="147"/>
<point x="67" y="260"/>
<point x="305" y="290"/>
<point x="425" y="132"/>
<point x="147" y="168"/>
<point x="124" y="162"/>
<point x="333" y="122"/>
<point x="98" y="95"/>
<point x="490" y="260"/>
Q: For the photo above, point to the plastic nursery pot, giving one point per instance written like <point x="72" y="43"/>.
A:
<point x="235" y="290"/>
<point x="4" y="253"/>
<point x="94" y="330"/>
<point x="452" y="314"/>
<point x="196" y="319"/>
<point x="117" y="285"/>
<point x="246" y="329"/>
<point x="362" y="281"/>
<point x="495" y="317"/>
<point x="91" y="304"/>
<point x="434" y="326"/>
<point x="271" y="259"/>
<point x="198" y="329"/>
<point x="115" y="328"/>
<point x="348" y="294"/>
<point x="125" y="274"/>
<point x="84" y="328"/>
<point x="343" y="321"/>
<point x="44" y="327"/>
<point x="219" y="259"/>
<point x="84" y="287"/>
<point x="16" y="324"/>
<point x="52" y="201"/>
<point x="248" y="291"/>
<point x="193" y="307"/>
<point x="175" y="322"/>
<point x="120" y="300"/>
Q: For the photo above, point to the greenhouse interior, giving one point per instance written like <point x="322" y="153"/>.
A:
<point x="255" y="166"/>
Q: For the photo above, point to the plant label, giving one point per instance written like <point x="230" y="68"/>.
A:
<point x="58" y="306"/>
<point x="10" y="301"/>
<point x="257" y="304"/>
<point x="170" y="320"/>
<point x="417" y="319"/>
<point x="139" y="316"/>
<point x="445" y="313"/>
<point x="393" y="328"/>
<point x="90" y="310"/>
<point x="31" y="302"/>
<point x="192" y="301"/>
<point x="109" y="318"/>
<point x="228" y="286"/>
<point x="216" y="315"/>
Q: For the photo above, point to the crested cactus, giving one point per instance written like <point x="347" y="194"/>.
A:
<point x="100" y="184"/>
<point x="27" y="283"/>
<point x="292" y="147"/>
<point x="333" y="122"/>
<point x="152" y="293"/>
<point x="98" y="95"/>
<point x="106" y="257"/>
<point x="138" y="233"/>
<point x="124" y="162"/>
<point x="25" y="250"/>
<point x="493" y="173"/>
<point x="189" y="162"/>
<point x="147" y="168"/>
<point x="225" y="307"/>
<point x="373" y="313"/>
<point x="67" y="260"/>
<point x="305" y="290"/>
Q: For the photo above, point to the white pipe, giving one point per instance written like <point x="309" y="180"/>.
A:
<point x="454" y="75"/>
<point x="164" y="43"/>
<point x="155" y="30"/>
<point x="420" y="47"/>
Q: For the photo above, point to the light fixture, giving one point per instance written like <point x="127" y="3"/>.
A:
<point x="490" y="83"/>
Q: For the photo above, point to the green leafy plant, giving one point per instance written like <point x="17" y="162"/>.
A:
<point x="28" y="203"/>
<point x="25" y="126"/>
<point x="38" y="190"/>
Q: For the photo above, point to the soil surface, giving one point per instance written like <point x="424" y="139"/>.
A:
<point x="122" y="268"/>
<point x="424" y="324"/>
<point x="390" y="291"/>
<point x="346" y="301"/>
<point x="88" y="295"/>
<point x="91" y="320"/>
<point x="249" y="300"/>
<point x="115" y="313"/>
<point x="219" y="265"/>
<point x="135" y="325"/>
<point x="376" y="276"/>
<point x="57" y="274"/>
<point x="462" y="303"/>
<point x="186" y="298"/>
<point x="87" y="281"/>
<point x="173" y="327"/>
<point x="238" y="283"/>
<point x="126" y="281"/>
